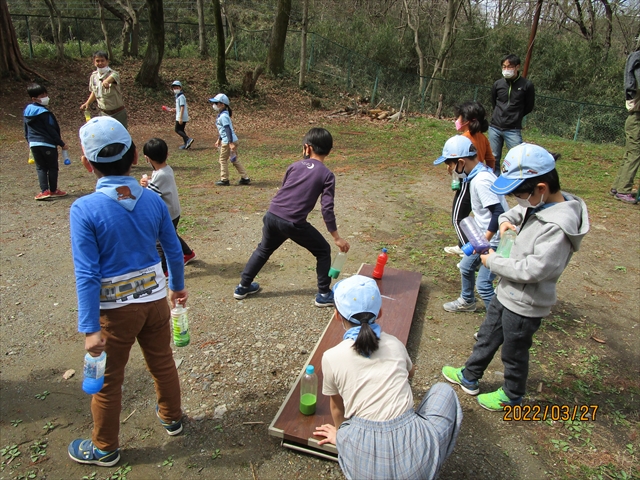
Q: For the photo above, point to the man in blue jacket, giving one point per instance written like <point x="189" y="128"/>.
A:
<point x="512" y="97"/>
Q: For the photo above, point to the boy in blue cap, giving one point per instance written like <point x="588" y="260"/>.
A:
<point x="551" y="225"/>
<point x="122" y="290"/>
<point x="461" y="158"/>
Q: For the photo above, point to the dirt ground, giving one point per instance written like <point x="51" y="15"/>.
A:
<point x="244" y="355"/>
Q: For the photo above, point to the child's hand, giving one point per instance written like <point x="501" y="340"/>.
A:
<point x="327" y="431"/>
<point x="94" y="343"/>
<point x="233" y="147"/>
<point x="217" y="144"/>
<point x="485" y="256"/>
<point x="504" y="226"/>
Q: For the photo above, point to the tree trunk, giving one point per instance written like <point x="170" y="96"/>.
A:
<point x="103" y="25"/>
<point x="148" y="74"/>
<point x="56" y="27"/>
<point x="415" y="28"/>
<point x="232" y="31"/>
<point x="11" y="62"/>
<point x="202" y="31"/>
<point x="303" y="43"/>
<point x="221" y="66"/>
<point x="608" y="13"/>
<point x="448" y="36"/>
<point x="275" y="56"/>
<point x="133" y="19"/>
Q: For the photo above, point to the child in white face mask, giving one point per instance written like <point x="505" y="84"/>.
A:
<point x="460" y="156"/>
<point x="551" y="227"/>
<point x="227" y="142"/>
<point x="104" y="85"/>
<point x="43" y="134"/>
<point x="182" y="114"/>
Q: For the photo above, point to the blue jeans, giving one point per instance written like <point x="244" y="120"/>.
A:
<point x="469" y="265"/>
<point x="497" y="138"/>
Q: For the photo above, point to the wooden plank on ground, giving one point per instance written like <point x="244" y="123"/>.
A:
<point x="399" y="290"/>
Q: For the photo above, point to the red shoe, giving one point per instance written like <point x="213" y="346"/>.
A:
<point x="188" y="258"/>
<point x="58" y="193"/>
<point x="43" y="195"/>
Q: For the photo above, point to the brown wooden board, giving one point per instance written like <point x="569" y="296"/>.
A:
<point x="399" y="290"/>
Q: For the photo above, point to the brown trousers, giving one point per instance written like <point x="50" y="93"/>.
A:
<point x="149" y="323"/>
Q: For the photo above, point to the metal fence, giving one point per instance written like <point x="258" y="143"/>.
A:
<point x="329" y="63"/>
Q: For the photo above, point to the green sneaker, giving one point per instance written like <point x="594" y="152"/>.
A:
<point x="454" y="375"/>
<point x="496" y="401"/>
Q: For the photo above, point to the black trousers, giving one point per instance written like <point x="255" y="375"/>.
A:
<point x="180" y="131"/>
<point x="47" y="167"/>
<point x="460" y="209"/>
<point x="514" y="332"/>
<point x="275" y="232"/>
<point x="185" y="248"/>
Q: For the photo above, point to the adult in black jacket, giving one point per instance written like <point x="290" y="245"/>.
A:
<point x="512" y="97"/>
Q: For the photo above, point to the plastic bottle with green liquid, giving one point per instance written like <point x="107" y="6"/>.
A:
<point x="180" y="326"/>
<point x="308" y="391"/>
<point x="336" y="266"/>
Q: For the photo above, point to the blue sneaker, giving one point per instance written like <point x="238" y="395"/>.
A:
<point x="324" y="299"/>
<point x="454" y="375"/>
<point x="172" y="428"/>
<point x="241" y="292"/>
<point x="84" y="451"/>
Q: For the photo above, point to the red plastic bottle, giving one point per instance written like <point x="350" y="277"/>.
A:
<point x="382" y="261"/>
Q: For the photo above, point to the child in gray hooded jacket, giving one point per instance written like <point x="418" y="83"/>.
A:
<point x="551" y="225"/>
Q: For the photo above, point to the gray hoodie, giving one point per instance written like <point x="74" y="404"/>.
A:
<point x="540" y="254"/>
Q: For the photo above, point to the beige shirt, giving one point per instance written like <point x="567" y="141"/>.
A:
<point x="108" y="99"/>
<point x="375" y="388"/>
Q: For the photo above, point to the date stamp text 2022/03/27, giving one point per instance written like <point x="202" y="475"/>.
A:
<point x="540" y="413"/>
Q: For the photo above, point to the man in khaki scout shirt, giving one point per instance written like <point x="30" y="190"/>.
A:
<point x="104" y="84"/>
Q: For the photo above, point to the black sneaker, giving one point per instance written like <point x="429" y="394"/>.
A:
<point x="172" y="428"/>
<point x="222" y="183"/>
<point x="244" y="181"/>
<point x="188" y="144"/>
<point x="241" y="292"/>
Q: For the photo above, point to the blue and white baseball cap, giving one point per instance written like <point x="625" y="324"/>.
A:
<point x="357" y="294"/>
<point x="522" y="162"/>
<point x="456" y="147"/>
<point x="176" y="83"/>
<point x="99" y="132"/>
<point x="220" y="98"/>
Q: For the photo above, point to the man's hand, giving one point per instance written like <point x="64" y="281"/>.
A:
<point x="178" y="297"/>
<point x="94" y="343"/>
<point x="327" y="431"/>
<point x="106" y="83"/>
<point x="84" y="106"/>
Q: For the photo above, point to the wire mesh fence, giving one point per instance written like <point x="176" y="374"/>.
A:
<point x="330" y="63"/>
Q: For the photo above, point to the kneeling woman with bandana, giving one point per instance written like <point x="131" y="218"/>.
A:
<point x="376" y="430"/>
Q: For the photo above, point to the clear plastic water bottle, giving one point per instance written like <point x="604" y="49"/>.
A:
<point x="65" y="155"/>
<point x="380" y="263"/>
<point x="507" y="239"/>
<point x="455" y="181"/>
<point x="338" y="263"/>
<point x="31" y="159"/>
<point x="94" y="373"/>
<point x="87" y="115"/>
<point x="233" y="157"/>
<point x="180" y="324"/>
<point x="308" y="391"/>
<point x="477" y="240"/>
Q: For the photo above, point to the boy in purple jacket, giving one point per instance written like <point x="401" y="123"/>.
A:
<point x="286" y="218"/>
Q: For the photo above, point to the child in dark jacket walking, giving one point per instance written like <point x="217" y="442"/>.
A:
<point x="43" y="135"/>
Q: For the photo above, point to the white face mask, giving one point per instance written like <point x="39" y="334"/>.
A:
<point x="508" y="73"/>
<point x="103" y="70"/>
<point x="526" y="204"/>
<point x="43" y="101"/>
<point x="462" y="175"/>
<point x="216" y="107"/>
